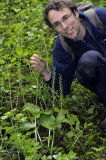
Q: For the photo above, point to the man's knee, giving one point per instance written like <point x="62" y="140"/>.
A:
<point x="87" y="67"/>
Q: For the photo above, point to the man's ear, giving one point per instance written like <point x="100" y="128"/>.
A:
<point x="76" y="14"/>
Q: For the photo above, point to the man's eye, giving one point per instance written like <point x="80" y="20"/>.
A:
<point x="56" y="24"/>
<point x="65" y="17"/>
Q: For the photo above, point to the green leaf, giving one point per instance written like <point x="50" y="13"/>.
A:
<point x="18" y="116"/>
<point x="1" y="41"/>
<point x="89" y="153"/>
<point x="73" y="119"/>
<point x="29" y="157"/>
<point x="60" y="117"/>
<point x="48" y="112"/>
<point x="72" y="155"/>
<point x="48" y="121"/>
<point x="90" y="110"/>
<point x="98" y="149"/>
<point x="4" y="117"/>
<point x="27" y="126"/>
<point x="48" y="59"/>
<point x="70" y="134"/>
<point x="33" y="109"/>
<point x="15" y="136"/>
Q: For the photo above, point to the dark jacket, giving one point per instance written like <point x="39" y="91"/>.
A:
<point x="62" y="61"/>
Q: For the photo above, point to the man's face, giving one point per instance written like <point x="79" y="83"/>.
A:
<point x="69" y="28"/>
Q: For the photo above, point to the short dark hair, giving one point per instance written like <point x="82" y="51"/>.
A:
<point x="58" y="5"/>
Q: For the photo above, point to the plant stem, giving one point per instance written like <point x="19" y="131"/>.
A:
<point x="52" y="142"/>
<point x="17" y="99"/>
<point x="18" y="154"/>
<point x="10" y="93"/>
<point x="35" y="131"/>
<point x="45" y="49"/>
<point x="39" y="136"/>
<point x="8" y="154"/>
<point x="49" y="139"/>
<point x="76" y="139"/>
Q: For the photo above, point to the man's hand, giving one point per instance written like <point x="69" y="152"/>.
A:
<point x="39" y="65"/>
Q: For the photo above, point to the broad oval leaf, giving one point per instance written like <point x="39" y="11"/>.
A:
<point x="48" y="121"/>
<point x="33" y="109"/>
<point x="27" y="126"/>
<point x="60" y="117"/>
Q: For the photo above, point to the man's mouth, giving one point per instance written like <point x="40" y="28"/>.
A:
<point x="69" y="31"/>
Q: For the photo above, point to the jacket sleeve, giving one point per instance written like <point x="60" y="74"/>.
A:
<point x="101" y="12"/>
<point x="63" y="66"/>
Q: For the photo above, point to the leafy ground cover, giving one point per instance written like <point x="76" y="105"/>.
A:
<point x="36" y="123"/>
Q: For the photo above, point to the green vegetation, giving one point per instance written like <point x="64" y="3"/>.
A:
<point x="36" y="123"/>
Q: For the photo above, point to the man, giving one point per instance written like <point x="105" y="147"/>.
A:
<point x="89" y="59"/>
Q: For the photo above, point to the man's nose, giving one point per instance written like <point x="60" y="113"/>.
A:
<point x="64" y="25"/>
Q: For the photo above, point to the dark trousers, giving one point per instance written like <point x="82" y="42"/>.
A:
<point x="91" y="73"/>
